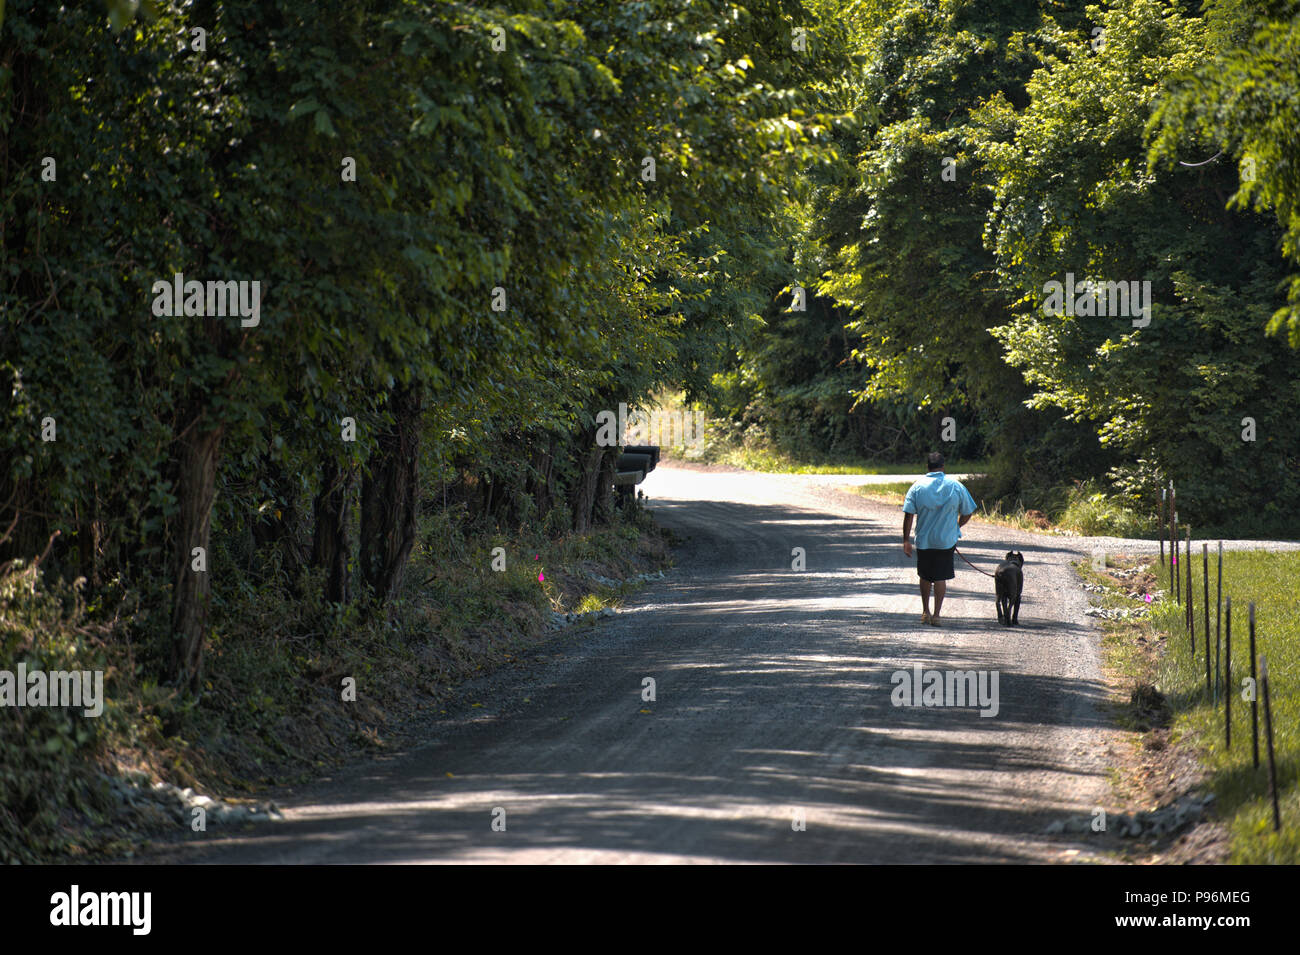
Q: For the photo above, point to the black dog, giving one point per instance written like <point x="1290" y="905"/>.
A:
<point x="1008" y="581"/>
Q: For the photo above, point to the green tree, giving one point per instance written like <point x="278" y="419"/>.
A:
<point x="1074" y="195"/>
<point x="1243" y="98"/>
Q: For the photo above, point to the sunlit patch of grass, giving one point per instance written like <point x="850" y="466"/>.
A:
<point x="755" y="454"/>
<point x="892" y="493"/>
<point x="590" y="604"/>
<point x="1094" y="513"/>
<point x="1017" y="517"/>
<point x="1241" y="790"/>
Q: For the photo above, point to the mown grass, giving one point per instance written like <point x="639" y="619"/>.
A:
<point x="1158" y="649"/>
<point x="1241" y="790"/>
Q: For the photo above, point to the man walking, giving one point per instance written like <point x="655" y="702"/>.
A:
<point x="941" y="505"/>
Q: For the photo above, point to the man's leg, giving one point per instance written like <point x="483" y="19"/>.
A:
<point x="925" y="597"/>
<point x="940" y="589"/>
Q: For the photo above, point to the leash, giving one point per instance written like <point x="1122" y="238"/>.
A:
<point x="972" y="566"/>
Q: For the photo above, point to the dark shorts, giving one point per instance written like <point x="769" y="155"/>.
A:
<point x="935" y="564"/>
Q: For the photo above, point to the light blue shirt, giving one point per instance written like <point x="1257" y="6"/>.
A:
<point x="936" y="500"/>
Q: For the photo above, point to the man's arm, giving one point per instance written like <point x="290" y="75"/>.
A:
<point x="907" y="534"/>
<point x="967" y="502"/>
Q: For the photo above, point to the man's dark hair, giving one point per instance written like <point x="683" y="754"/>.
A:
<point x="935" y="461"/>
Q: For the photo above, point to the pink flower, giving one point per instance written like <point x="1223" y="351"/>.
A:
<point x="1148" y="598"/>
<point x="541" y="578"/>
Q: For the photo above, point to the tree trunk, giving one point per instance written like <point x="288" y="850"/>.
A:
<point x="90" y="537"/>
<point x="602" y="511"/>
<point x="487" y="487"/>
<point x="195" y="489"/>
<point x="277" y="528"/>
<point x="543" y="491"/>
<point x="389" y="495"/>
<point x="330" y="545"/>
<point x="583" y="497"/>
<point x="23" y="527"/>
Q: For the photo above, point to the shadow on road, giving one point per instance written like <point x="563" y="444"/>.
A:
<point x="773" y="697"/>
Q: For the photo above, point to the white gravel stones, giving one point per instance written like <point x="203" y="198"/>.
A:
<point x="1168" y="820"/>
<point x="1116" y="613"/>
<point x="131" y="790"/>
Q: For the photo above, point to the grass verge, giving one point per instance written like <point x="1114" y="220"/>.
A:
<point x="1241" y="789"/>
<point x="1173" y="713"/>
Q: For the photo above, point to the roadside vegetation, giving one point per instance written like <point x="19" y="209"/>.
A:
<point x="456" y="236"/>
<point x="1163" y="696"/>
<point x="1081" y="509"/>
<point x="1269" y="581"/>
<point x="753" y="451"/>
<point x="271" y="710"/>
<point x="1003" y="146"/>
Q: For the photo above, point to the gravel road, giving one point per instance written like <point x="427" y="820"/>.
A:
<point x="772" y="704"/>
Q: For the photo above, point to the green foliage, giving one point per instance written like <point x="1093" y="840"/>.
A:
<point x="904" y="236"/>
<point x="494" y="148"/>
<point x="1091" y="511"/>
<point x="892" y="241"/>
<point x="1243" y="98"/>
<point x="995" y="148"/>
<point x="47" y="753"/>
<point x="503" y="147"/>
<point x="1071" y="196"/>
